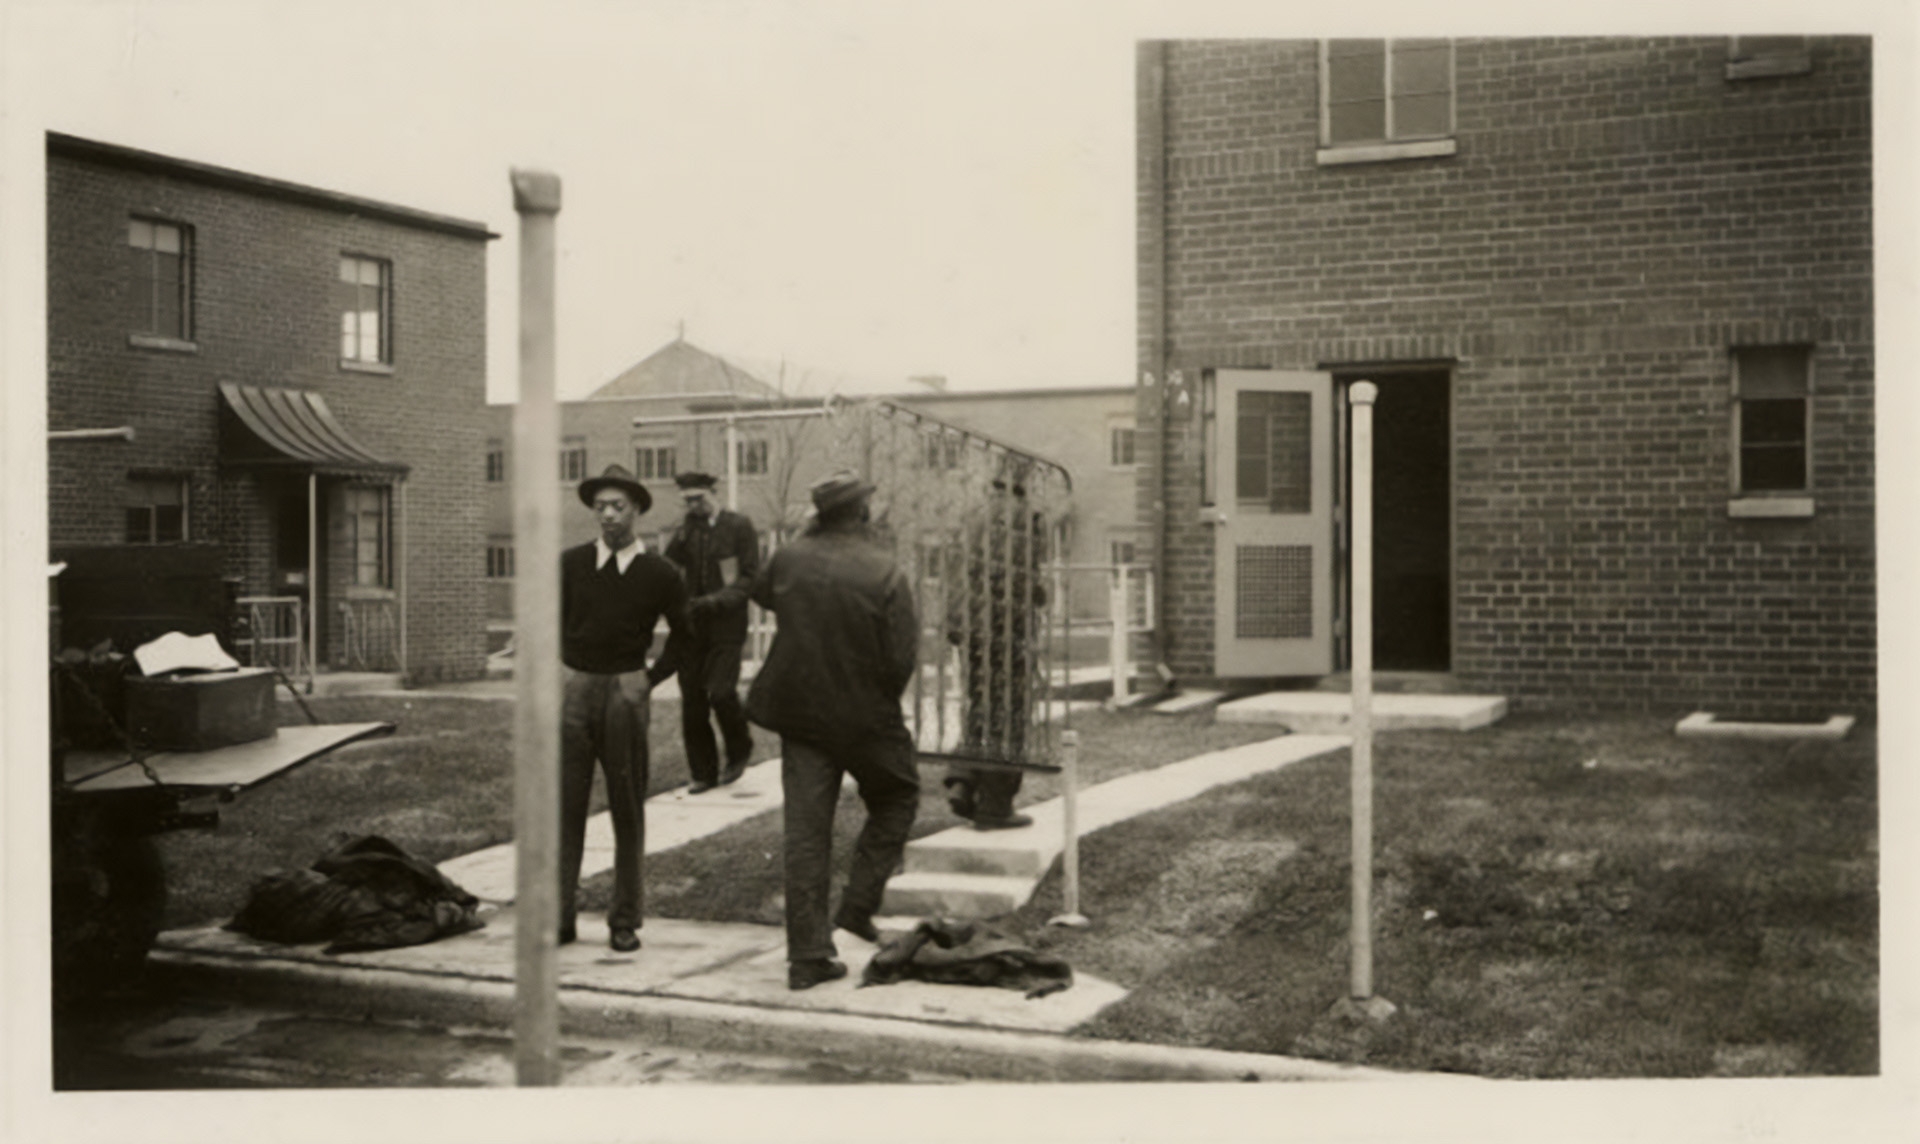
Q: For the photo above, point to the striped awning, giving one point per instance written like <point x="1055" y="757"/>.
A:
<point x="290" y="429"/>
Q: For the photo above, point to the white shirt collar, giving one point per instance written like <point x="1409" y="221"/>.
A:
<point x="602" y="553"/>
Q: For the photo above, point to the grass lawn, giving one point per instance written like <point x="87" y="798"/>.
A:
<point x="1556" y="896"/>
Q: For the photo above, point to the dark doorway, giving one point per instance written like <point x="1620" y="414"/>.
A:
<point x="1413" y="520"/>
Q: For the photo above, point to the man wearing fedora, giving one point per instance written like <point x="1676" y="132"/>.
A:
<point x="842" y="656"/>
<point x="612" y="596"/>
<point x="718" y="553"/>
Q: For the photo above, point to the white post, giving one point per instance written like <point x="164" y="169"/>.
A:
<point x="1362" y="395"/>
<point x="314" y="611"/>
<point x="1070" y="829"/>
<point x="536" y="664"/>
<point x="1117" y="650"/>
<point x="733" y="466"/>
<point x="400" y="575"/>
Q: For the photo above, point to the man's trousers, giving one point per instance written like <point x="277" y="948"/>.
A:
<point x="710" y="687"/>
<point x="604" y="717"/>
<point x="810" y="774"/>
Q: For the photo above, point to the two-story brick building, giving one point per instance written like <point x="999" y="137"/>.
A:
<point x="303" y="377"/>
<point x="1617" y="295"/>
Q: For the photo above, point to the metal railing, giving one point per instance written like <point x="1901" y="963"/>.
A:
<point x="273" y="634"/>
<point x="370" y="635"/>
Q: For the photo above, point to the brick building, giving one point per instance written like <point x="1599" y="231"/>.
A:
<point x="1089" y="431"/>
<point x="1618" y="298"/>
<point x="273" y="346"/>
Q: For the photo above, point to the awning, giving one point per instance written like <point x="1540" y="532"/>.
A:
<point x="290" y="429"/>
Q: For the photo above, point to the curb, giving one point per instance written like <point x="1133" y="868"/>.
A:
<point x="959" y="1051"/>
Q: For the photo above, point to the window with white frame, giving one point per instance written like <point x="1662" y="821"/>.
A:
<point x="1123" y="551"/>
<point x="941" y="450"/>
<point x="367" y="532"/>
<point x="1120" y="442"/>
<point x="156" y="510"/>
<point x="653" y="460"/>
<point x="1386" y="93"/>
<point x="159" y="279"/>
<point x="751" y="457"/>
<point x="496" y="461"/>
<point x="499" y="558"/>
<point x="573" y="459"/>
<point x="1772" y="402"/>
<point x="364" y="297"/>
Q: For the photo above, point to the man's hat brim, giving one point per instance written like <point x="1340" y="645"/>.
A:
<point x="590" y="488"/>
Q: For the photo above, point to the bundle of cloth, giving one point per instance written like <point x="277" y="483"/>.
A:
<point x="366" y="894"/>
<point x="947" y="952"/>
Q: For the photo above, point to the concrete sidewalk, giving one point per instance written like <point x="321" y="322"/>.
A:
<point x="722" y="987"/>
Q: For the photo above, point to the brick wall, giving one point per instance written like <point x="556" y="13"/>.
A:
<point x="264" y="268"/>
<point x="1618" y="215"/>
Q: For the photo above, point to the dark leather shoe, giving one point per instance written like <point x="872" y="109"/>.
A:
<point x="567" y="935"/>
<point x="813" y="971"/>
<point x="624" y="940"/>
<point x="698" y="787"/>
<point x="858" y="926"/>
<point x="1010" y="822"/>
<point x="731" y="774"/>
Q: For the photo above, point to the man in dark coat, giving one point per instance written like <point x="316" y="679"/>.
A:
<point x="842" y="657"/>
<point x="612" y="596"/>
<point x="718" y="553"/>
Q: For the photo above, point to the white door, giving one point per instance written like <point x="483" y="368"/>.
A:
<point x="1273" y="565"/>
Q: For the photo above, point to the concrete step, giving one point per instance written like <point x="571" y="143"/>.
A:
<point x="969" y="851"/>
<point x="955" y="895"/>
<point x="1187" y="701"/>
<point x="1328" y="712"/>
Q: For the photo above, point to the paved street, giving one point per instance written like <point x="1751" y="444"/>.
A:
<point x="158" y="1041"/>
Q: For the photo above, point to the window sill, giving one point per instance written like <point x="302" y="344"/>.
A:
<point x="378" y="367"/>
<point x="1385" y="152"/>
<point x="1799" y="64"/>
<point x="1770" y="508"/>
<point x="159" y="342"/>
<point x="368" y="592"/>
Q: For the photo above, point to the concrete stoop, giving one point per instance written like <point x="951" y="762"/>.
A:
<point x="1330" y="712"/>
<point x="969" y="874"/>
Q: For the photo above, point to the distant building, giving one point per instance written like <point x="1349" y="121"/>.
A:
<point x="1617" y="295"/>
<point x="1089" y="431"/>
<point x="273" y="346"/>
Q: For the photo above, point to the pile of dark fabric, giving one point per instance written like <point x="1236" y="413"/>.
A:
<point x="962" y="953"/>
<point x="367" y="894"/>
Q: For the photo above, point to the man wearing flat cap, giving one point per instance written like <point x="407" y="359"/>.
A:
<point x="842" y="657"/>
<point x="612" y="596"/>
<point x="718" y="553"/>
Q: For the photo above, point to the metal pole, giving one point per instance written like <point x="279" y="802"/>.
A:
<point x="1362" y="396"/>
<point x="1117" y="635"/>
<point x="313" y="578"/>
<point x="1070" y="827"/>
<point x="400" y="574"/>
<point x="733" y="466"/>
<point x="536" y="606"/>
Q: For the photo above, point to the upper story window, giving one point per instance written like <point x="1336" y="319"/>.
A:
<point x="1772" y="401"/>
<point x="496" y="461"/>
<point x="499" y="558"/>
<point x="159" y="279"/>
<point x="573" y="459"/>
<point x="1752" y="57"/>
<point x="1385" y="99"/>
<point x="654" y="461"/>
<point x="156" y="510"/>
<point x="941" y="451"/>
<point x="364" y="297"/>
<point x="751" y="459"/>
<point x="1120" y="443"/>
<point x="367" y="535"/>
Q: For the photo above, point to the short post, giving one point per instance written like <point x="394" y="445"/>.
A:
<point x="1070" y="828"/>
<point x="1117" y="649"/>
<point x="536" y="667"/>
<point x="1361" y="1001"/>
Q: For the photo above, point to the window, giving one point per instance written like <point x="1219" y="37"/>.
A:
<point x="499" y="559"/>
<point x="573" y="459"/>
<point x="156" y="510"/>
<point x="364" y="298"/>
<point x="1772" y="409"/>
<point x="160" y="279"/>
<point x="653" y="461"/>
<point x="496" y="461"/>
<point x="1753" y="57"/>
<point x="1387" y="98"/>
<point x="1273" y="451"/>
<point x="1120" y="440"/>
<point x="366" y="507"/>
<point x="1122" y="551"/>
<point x="941" y="451"/>
<point x="751" y="458"/>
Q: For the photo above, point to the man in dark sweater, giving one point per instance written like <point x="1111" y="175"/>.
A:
<point x="719" y="554"/>
<point x="612" y="596"/>
<point x="842" y="656"/>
